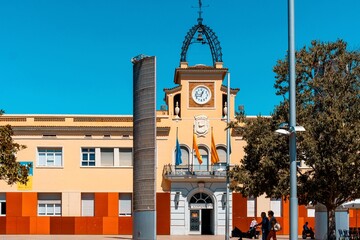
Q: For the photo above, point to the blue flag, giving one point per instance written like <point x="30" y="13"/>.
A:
<point x="178" y="160"/>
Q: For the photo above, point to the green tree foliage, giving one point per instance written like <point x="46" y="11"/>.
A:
<point x="10" y="170"/>
<point x="328" y="106"/>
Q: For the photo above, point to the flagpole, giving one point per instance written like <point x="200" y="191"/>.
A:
<point x="227" y="209"/>
<point x="192" y="155"/>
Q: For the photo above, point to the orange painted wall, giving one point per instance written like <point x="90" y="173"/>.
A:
<point x="2" y="225"/>
<point x="14" y="204"/>
<point x="163" y="213"/>
<point x="125" y="225"/>
<point x="101" y="204"/>
<point x="29" y="204"/>
<point x="240" y="220"/>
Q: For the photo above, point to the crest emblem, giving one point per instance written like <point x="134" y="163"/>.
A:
<point x="201" y="125"/>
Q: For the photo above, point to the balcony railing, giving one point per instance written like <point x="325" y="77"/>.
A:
<point x="180" y="172"/>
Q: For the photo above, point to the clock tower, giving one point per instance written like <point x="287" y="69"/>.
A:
<point x="198" y="109"/>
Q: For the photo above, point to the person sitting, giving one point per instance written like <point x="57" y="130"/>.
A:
<point x="308" y="230"/>
<point x="253" y="223"/>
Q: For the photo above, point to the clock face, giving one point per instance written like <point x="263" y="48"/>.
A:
<point x="201" y="94"/>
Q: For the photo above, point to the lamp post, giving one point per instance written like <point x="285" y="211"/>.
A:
<point x="227" y="207"/>
<point x="292" y="123"/>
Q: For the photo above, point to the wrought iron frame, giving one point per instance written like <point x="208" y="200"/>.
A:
<point x="211" y="38"/>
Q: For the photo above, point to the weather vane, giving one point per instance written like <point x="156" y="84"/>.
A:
<point x="200" y="11"/>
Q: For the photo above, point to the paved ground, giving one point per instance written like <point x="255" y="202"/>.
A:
<point x="114" y="237"/>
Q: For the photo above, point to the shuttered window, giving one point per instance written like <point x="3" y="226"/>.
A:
<point x="275" y="206"/>
<point x="126" y="156"/>
<point x="125" y="204"/>
<point x="49" y="204"/>
<point x="221" y="151"/>
<point x="49" y="157"/>
<point x="107" y="157"/>
<point x="87" y="204"/>
<point x="251" y="207"/>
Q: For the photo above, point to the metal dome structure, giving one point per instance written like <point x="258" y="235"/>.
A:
<point x="210" y="38"/>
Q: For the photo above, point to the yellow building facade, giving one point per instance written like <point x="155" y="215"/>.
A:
<point x="82" y="165"/>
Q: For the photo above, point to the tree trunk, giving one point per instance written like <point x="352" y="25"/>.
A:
<point x="331" y="224"/>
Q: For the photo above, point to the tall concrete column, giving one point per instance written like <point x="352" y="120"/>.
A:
<point x="144" y="121"/>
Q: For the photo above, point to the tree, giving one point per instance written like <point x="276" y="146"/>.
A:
<point x="328" y="106"/>
<point x="11" y="171"/>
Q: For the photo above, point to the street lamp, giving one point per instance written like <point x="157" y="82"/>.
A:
<point x="292" y="115"/>
<point x="285" y="129"/>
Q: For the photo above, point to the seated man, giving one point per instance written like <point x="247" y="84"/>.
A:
<point x="308" y="230"/>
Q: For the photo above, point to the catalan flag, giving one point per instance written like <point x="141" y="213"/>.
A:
<point x="214" y="154"/>
<point x="196" y="149"/>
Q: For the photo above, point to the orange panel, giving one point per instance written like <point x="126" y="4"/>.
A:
<point x="125" y="225"/>
<point x="29" y="204"/>
<point x="2" y="225"/>
<point x="110" y="225"/>
<point x="286" y="217"/>
<point x="94" y="225"/>
<point x="113" y="204"/>
<point x="163" y="213"/>
<point x="55" y="225"/>
<point x="10" y="225"/>
<point x="240" y="218"/>
<point x="33" y="222"/>
<point x="101" y="204"/>
<point x="80" y="225"/>
<point x="22" y="225"/>
<point x="13" y="204"/>
<point x="43" y="225"/>
<point x="68" y="225"/>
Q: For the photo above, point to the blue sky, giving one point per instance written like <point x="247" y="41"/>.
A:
<point x="73" y="56"/>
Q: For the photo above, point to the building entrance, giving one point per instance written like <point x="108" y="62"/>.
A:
<point x="201" y="214"/>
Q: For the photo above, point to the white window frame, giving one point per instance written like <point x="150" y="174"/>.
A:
<point x="105" y="151"/>
<point x="310" y="212"/>
<point x="132" y="156"/>
<point x="88" y="152"/>
<point x="125" y="197"/>
<point x="50" y="155"/>
<point x="88" y="204"/>
<point x="251" y="207"/>
<point x="276" y="206"/>
<point x="49" y="204"/>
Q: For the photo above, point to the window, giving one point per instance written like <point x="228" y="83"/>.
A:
<point x="311" y="212"/>
<point x="88" y="157"/>
<point x="204" y="155"/>
<point x="49" y="157"/>
<point x="251" y="207"/>
<point x="49" y="204"/>
<point x="2" y="204"/>
<point x="107" y="156"/>
<point x="275" y="206"/>
<point x="87" y="204"/>
<point x="221" y="151"/>
<point x="184" y="157"/>
<point x="125" y="205"/>
<point x="125" y="157"/>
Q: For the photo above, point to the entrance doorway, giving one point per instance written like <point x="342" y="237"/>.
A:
<point x="201" y="214"/>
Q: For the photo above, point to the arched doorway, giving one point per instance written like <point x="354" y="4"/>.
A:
<point x="201" y="214"/>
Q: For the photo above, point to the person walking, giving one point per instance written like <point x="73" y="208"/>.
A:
<point x="272" y="221"/>
<point x="264" y="226"/>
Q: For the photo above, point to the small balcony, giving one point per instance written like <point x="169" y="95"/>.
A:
<point x="214" y="173"/>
